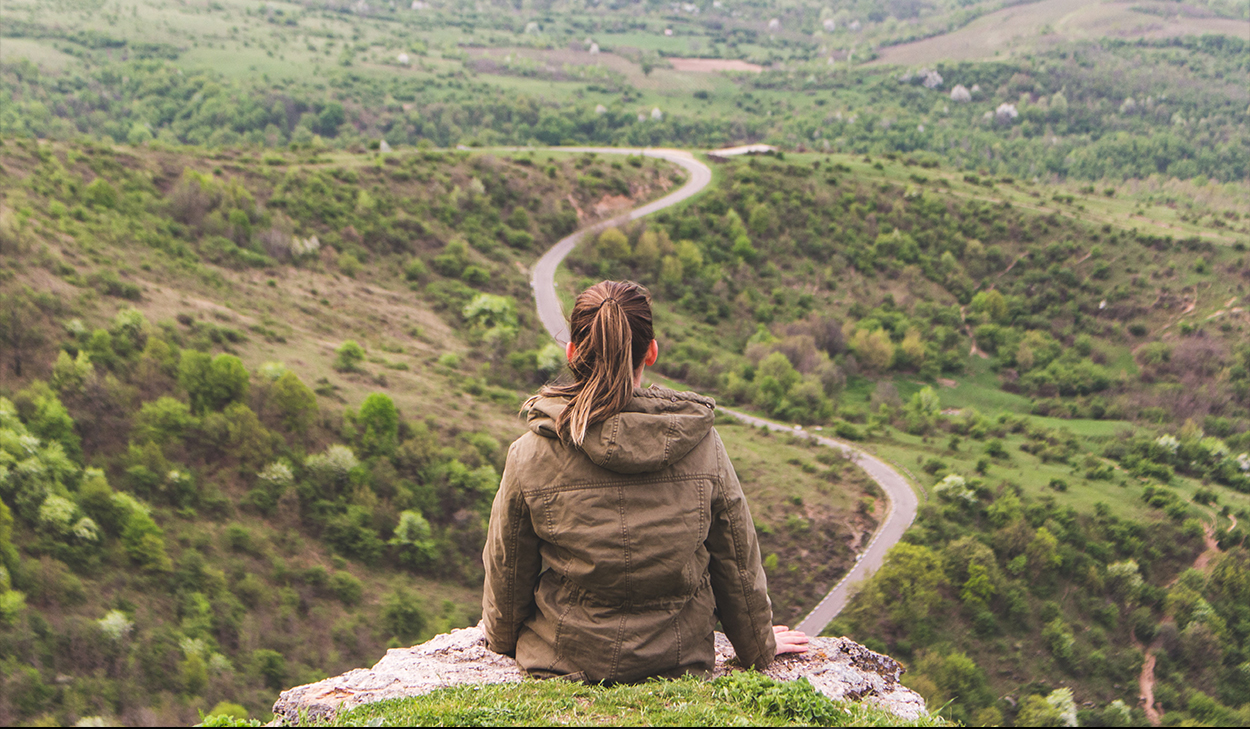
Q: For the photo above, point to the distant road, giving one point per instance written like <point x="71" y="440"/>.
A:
<point x="544" y="279"/>
<point x="902" y="501"/>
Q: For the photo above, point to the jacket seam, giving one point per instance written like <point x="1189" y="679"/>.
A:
<point x="559" y="647"/>
<point x="629" y="567"/>
<point x="510" y="598"/>
<point x="603" y="483"/>
<point x="742" y="574"/>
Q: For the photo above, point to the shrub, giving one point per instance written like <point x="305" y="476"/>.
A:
<point x="379" y="422"/>
<point x="403" y="616"/>
<point x="212" y="382"/>
<point x="271" y="666"/>
<point x="293" y="402"/>
<point x="350" y="355"/>
<point x="346" y="587"/>
<point x="349" y="265"/>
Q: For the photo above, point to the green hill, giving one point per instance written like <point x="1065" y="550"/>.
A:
<point x="1073" y="464"/>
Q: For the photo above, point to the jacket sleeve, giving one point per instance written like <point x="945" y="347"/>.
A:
<point x="738" y="579"/>
<point x="512" y="564"/>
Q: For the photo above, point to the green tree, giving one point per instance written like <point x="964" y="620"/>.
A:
<point x="19" y="327"/>
<point x="350" y="355"/>
<point x="403" y="615"/>
<point x="613" y="245"/>
<point x="162" y="421"/>
<point x="379" y="424"/>
<point x="212" y="383"/>
<point x="1036" y="711"/>
<point x="47" y="418"/>
<point x="293" y="402"/>
<point x="1043" y="551"/>
<point x="271" y="666"/>
<point x="145" y="541"/>
<point x="903" y="592"/>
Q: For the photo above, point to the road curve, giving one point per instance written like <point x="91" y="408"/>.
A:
<point x="902" y="501"/>
<point x="544" y="278"/>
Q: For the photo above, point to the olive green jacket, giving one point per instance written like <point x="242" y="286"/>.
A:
<point x="612" y="562"/>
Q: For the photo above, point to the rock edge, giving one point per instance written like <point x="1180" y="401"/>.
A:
<point x="837" y="667"/>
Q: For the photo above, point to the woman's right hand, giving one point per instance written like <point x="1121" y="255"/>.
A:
<point x="789" y="641"/>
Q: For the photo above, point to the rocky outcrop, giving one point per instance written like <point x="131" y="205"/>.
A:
<point x="837" y="667"/>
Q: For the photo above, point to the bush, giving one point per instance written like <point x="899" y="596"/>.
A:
<point x="402" y="615"/>
<point x="350" y="355"/>
<point x="379" y="423"/>
<point x="271" y="666"/>
<point x="212" y="382"/>
<point x="346" y="587"/>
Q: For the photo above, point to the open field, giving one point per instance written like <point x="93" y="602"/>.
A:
<point x="1022" y="29"/>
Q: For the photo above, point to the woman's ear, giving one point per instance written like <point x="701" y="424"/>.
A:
<point x="570" y="350"/>
<point x="653" y="353"/>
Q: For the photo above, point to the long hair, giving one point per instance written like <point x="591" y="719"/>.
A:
<point x="611" y="330"/>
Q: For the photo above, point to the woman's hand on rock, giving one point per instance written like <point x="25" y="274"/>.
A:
<point x="790" y="641"/>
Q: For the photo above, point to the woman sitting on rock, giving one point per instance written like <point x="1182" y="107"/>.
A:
<point x="620" y="532"/>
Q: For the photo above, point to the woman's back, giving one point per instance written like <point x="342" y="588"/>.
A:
<point x="643" y="532"/>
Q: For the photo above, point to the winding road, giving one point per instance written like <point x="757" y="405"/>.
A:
<point x="902" y="500"/>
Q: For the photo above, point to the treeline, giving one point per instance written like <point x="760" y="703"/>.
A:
<point x="1105" y="110"/>
<point x="1098" y="110"/>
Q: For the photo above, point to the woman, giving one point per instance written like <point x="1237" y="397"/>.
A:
<point x="620" y="532"/>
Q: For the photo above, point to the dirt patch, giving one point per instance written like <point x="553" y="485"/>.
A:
<point x="713" y="65"/>
<point x="612" y="203"/>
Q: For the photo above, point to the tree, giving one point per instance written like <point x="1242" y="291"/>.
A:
<point x="212" y="383"/>
<point x="1043" y="551"/>
<point x="613" y="245"/>
<point x="414" y="541"/>
<point x="47" y="418"/>
<point x="271" y="666"/>
<point x="904" y="591"/>
<point x="293" y="402"/>
<point x="19" y="327"/>
<point x="379" y="422"/>
<point x="1036" y="711"/>
<point x="350" y="355"/>
<point x="402" y="615"/>
<point x="162" y="421"/>
<point x="873" y="349"/>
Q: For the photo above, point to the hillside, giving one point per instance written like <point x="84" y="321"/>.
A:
<point x="1068" y="393"/>
<point x="252" y="400"/>
<point x="266" y="323"/>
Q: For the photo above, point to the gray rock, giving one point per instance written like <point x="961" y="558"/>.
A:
<point x="837" y="667"/>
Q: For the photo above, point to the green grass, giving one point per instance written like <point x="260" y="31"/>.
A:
<point x="742" y="699"/>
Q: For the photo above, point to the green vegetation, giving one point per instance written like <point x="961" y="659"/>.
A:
<point x="264" y="332"/>
<point x="742" y="698"/>
<point x="1070" y="467"/>
<point x="216" y="445"/>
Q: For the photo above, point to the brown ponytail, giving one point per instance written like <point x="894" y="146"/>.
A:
<point x="611" y="330"/>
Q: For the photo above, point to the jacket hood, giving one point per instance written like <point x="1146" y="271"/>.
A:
<point x="656" y="429"/>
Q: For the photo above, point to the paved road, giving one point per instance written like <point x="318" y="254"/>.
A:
<point x="544" y="279"/>
<point x="902" y="500"/>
